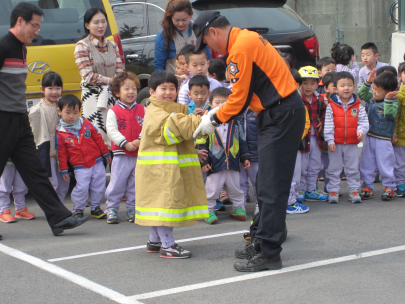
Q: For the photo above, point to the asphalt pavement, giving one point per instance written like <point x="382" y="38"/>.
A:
<point x="343" y="253"/>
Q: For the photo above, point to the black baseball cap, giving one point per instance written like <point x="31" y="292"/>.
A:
<point x="200" y="24"/>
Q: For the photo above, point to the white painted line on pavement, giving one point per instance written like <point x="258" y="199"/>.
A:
<point x="67" y="275"/>
<point x="142" y="246"/>
<point x="262" y="274"/>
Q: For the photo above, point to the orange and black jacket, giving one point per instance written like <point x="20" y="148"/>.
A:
<point x="259" y="75"/>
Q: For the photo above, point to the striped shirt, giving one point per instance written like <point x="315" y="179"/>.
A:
<point x="354" y="70"/>
<point x="13" y="73"/>
<point x="329" y="129"/>
<point x="84" y="61"/>
<point x="183" y="94"/>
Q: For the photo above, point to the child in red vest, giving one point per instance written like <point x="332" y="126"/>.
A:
<point x="82" y="146"/>
<point x="346" y="123"/>
<point x="124" y="126"/>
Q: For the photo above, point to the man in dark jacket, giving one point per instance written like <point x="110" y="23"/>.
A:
<point x="17" y="143"/>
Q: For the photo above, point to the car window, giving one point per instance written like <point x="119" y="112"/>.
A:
<point x="155" y="16"/>
<point x="62" y="22"/>
<point x="131" y="20"/>
<point x="255" y="14"/>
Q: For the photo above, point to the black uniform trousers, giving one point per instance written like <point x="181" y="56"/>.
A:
<point x="280" y="131"/>
<point x="17" y="143"/>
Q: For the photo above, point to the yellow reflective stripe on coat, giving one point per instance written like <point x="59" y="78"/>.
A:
<point x="187" y="160"/>
<point x="171" y="215"/>
<point x="160" y="158"/>
<point x="169" y="136"/>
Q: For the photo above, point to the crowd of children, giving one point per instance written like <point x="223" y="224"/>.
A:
<point x="149" y="145"/>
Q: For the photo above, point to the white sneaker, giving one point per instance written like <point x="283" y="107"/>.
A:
<point x="131" y="215"/>
<point x="174" y="252"/>
<point x="112" y="216"/>
<point x="256" y="210"/>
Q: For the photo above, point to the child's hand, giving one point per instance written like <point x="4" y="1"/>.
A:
<point x="394" y="138"/>
<point x="206" y="168"/>
<point x="332" y="148"/>
<point x="136" y="143"/>
<point x="353" y="58"/>
<point x="130" y="146"/>
<point x="108" y="160"/>
<point x="319" y="126"/>
<point x="371" y="77"/>
<point x="199" y="112"/>
<point x="360" y="136"/>
<point x="247" y="164"/>
<point x="202" y="155"/>
<point x="65" y="177"/>
<point x="392" y="95"/>
<point x="181" y="77"/>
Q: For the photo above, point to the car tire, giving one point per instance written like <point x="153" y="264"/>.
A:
<point x="144" y="93"/>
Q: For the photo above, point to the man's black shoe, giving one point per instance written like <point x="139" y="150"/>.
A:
<point x="69" y="223"/>
<point x="1" y="237"/>
<point x="259" y="262"/>
<point x="244" y="253"/>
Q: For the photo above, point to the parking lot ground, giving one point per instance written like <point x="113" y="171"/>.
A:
<point x="333" y="254"/>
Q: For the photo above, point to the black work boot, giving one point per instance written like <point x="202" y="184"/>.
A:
<point x="249" y="250"/>
<point x="259" y="262"/>
<point x="245" y="252"/>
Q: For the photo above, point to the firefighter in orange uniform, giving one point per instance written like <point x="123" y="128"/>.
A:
<point x="261" y="81"/>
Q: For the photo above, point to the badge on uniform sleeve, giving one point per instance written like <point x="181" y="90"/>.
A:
<point x="233" y="68"/>
<point x="355" y="112"/>
<point x="87" y="134"/>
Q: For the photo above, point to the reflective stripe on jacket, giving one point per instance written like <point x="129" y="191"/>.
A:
<point x="169" y="185"/>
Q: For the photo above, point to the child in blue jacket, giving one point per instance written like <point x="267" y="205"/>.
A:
<point x="226" y="149"/>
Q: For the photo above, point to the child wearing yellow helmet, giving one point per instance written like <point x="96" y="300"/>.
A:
<point x="311" y="152"/>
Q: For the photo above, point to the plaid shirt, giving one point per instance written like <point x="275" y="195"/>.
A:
<point x="84" y="61"/>
<point x="315" y="117"/>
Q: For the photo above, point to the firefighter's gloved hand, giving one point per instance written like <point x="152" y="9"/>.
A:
<point x="206" y="127"/>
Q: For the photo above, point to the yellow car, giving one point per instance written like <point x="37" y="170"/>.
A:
<point x="52" y="50"/>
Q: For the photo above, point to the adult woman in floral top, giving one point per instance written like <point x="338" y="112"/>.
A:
<point x="99" y="61"/>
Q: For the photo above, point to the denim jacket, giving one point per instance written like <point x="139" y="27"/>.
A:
<point x="381" y="116"/>
<point x="161" y="54"/>
<point x="248" y="123"/>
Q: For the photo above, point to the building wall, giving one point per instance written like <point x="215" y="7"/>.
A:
<point x="361" y="20"/>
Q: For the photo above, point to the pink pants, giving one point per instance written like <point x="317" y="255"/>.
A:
<point x="248" y="174"/>
<point x="377" y="154"/>
<point x="122" y="180"/>
<point x="229" y="180"/>
<point x="92" y="179"/>
<point x="162" y="234"/>
<point x="294" y="190"/>
<point x="11" y="181"/>
<point x="61" y="187"/>
<point x="399" y="168"/>
<point x="346" y="156"/>
<point x="310" y="166"/>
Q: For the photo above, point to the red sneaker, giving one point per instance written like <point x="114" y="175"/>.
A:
<point x="24" y="214"/>
<point x="6" y="217"/>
